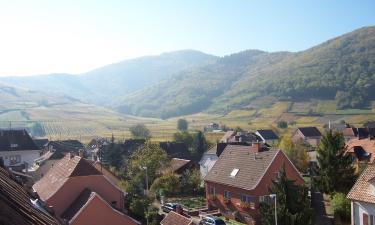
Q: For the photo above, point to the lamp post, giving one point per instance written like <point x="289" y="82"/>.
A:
<point x="145" y="168"/>
<point x="274" y="196"/>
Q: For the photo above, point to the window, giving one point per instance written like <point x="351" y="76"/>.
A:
<point x="212" y="191"/>
<point x="234" y="172"/>
<point x="227" y="194"/>
<point x="14" y="159"/>
<point x="13" y="145"/>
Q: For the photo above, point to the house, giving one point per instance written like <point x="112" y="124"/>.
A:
<point x="363" y="150"/>
<point x="79" y="194"/>
<point x="41" y="143"/>
<point x="350" y="133"/>
<point x="17" y="149"/>
<point x="179" y="166"/>
<point x="210" y="157"/>
<point x="241" y="178"/>
<point x="18" y="206"/>
<point x="173" y="218"/>
<point x="308" y="135"/>
<point x="211" y="127"/>
<point x="244" y="137"/>
<point x="362" y="197"/>
<point x="267" y="136"/>
<point x="227" y="136"/>
<point x="65" y="146"/>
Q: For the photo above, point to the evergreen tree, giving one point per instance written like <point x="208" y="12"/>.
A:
<point x="336" y="172"/>
<point x="293" y="205"/>
<point x="182" y="124"/>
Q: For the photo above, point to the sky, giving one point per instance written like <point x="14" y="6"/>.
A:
<point x="75" y="36"/>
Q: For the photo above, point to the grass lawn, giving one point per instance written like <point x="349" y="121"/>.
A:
<point x="191" y="203"/>
<point x="231" y="222"/>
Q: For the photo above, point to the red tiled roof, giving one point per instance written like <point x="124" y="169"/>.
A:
<point x="368" y="145"/>
<point x="69" y="166"/>
<point x="361" y="191"/>
<point x="16" y="206"/>
<point x="251" y="166"/>
<point x="174" y="218"/>
<point x="83" y="200"/>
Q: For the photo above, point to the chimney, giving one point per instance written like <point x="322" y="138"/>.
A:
<point x="71" y="155"/>
<point x="81" y="153"/>
<point x="256" y="147"/>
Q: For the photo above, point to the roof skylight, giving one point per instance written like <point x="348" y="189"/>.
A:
<point x="234" y="172"/>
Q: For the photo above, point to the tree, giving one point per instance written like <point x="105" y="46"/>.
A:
<point x="182" y="124"/>
<point x="282" y="124"/>
<point x="169" y="184"/>
<point x="296" y="152"/>
<point x="184" y="137"/>
<point x="150" y="156"/>
<point x="336" y="172"/>
<point x="140" y="131"/>
<point x="199" y="144"/>
<point x="191" y="181"/>
<point x="293" y="204"/>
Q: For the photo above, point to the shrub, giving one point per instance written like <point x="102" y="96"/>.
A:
<point x="341" y="206"/>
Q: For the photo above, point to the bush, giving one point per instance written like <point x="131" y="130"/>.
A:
<point x="341" y="206"/>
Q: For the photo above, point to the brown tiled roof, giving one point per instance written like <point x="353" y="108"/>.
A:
<point x="69" y="166"/>
<point x="16" y="206"/>
<point x="251" y="166"/>
<point x="177" y="163"/>
<point x="174" y="218"/>
<point x="368" y="145"/>
<point x="361" y="191"/>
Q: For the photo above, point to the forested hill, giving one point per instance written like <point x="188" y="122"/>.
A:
<point x="342" y="68"/>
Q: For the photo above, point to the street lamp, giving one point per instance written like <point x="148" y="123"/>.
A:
<point x="274" y="196"/>
<point x="145" y="168"/>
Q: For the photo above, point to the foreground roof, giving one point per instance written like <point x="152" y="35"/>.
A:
<point x="250" y="166"/>
<point x="173" y="218"/>
<point x="361" y="191"/>
<point x="310" y="131"/>
<point x="69" y="166"/>
<point x="87" y="199"/>
<point x="16" y="140"/>
<point x="16" y="205"/>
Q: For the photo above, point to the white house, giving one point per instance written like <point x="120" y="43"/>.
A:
<point x="17" y="149"/>
<point x="362" y="197"/>
<point x="210" y="157"/>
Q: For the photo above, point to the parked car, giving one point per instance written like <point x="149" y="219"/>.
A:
<point x="211" y="220"/>
<point x="167" y="207"/>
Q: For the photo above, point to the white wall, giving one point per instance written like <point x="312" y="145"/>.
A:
<point x="358" y="208"/>
<point x="27" y="156"/>
<point x="206" y="163"/>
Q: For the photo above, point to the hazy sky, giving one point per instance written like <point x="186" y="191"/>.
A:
<point x="38" y="37"/>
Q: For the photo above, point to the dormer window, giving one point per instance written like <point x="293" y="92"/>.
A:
<point x="234" y="172"/>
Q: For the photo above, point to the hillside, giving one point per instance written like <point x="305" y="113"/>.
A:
<point x="103" y="85"/>
<point x="341" y="69"/>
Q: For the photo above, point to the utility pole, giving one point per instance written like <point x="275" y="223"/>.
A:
<point x="274" y="196"/>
